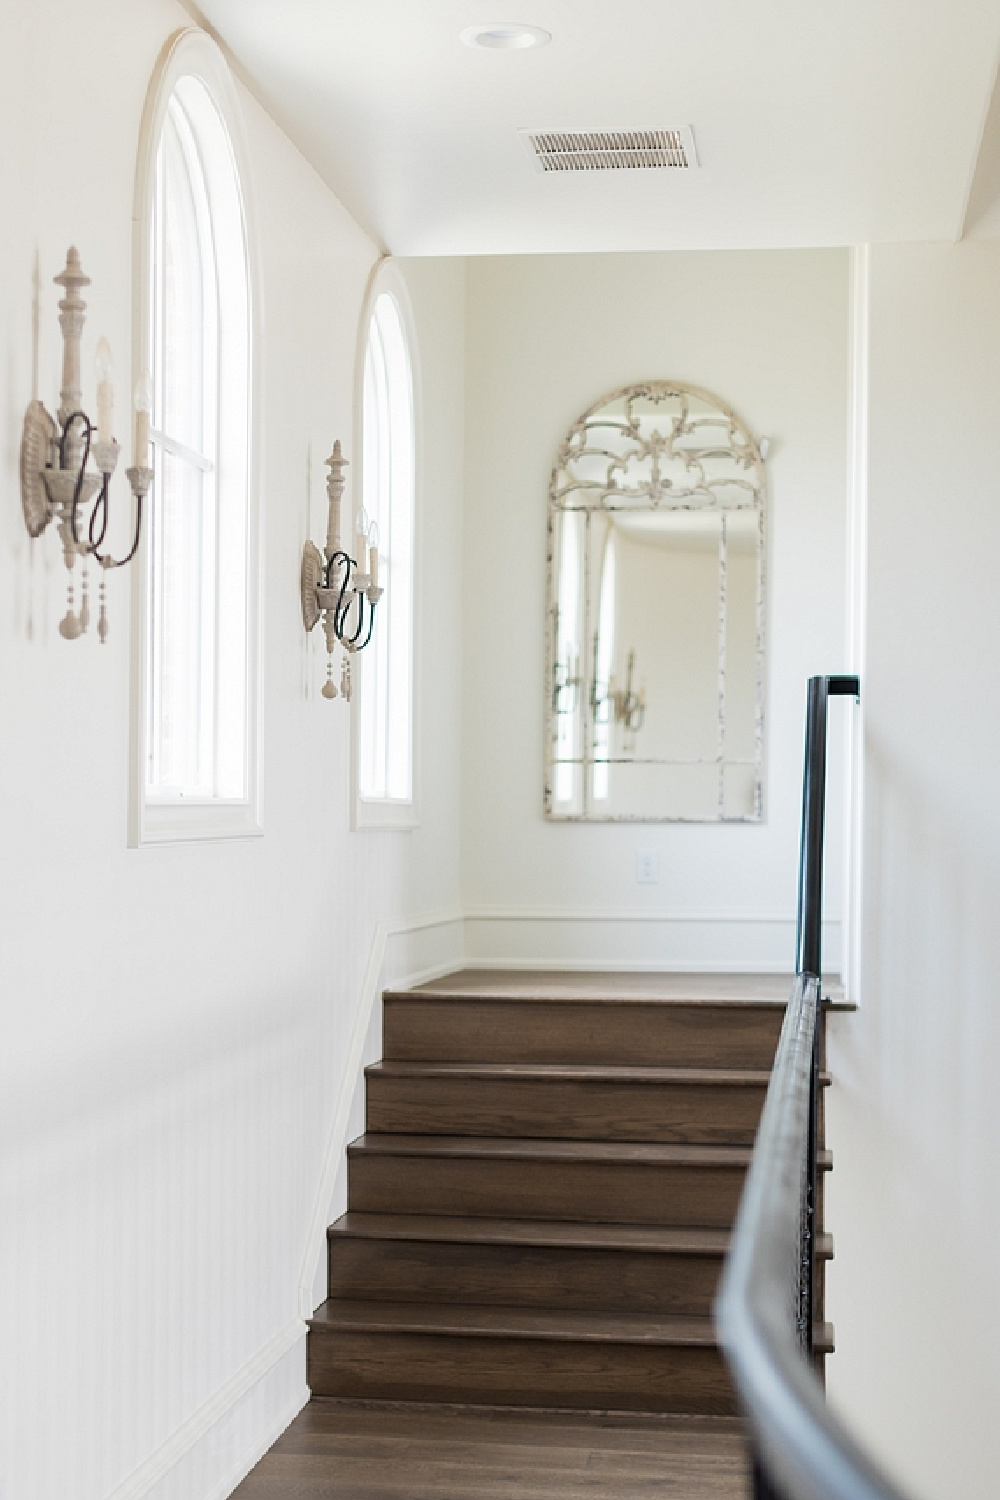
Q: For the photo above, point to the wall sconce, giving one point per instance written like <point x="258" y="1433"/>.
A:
<point x="333" y="585"/>
<point x="56" y="484"/>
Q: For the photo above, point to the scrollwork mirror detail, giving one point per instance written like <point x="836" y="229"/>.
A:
<point x="655" y="627"/>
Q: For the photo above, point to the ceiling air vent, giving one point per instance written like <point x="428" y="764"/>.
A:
<point x="610" y="150"/>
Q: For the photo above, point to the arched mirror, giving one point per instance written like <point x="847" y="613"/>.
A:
<point x="655" y="638"/>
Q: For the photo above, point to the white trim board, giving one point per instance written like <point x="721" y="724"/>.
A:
<point x="225" y="1487"/>
<point x="205" y="1417"/>
<point x="857" y="619"/>
<point x="542" y="914"/>
<point x="644" y="942"/>
<point x="336" y="1143"/>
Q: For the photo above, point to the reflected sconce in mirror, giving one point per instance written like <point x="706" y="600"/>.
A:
<point x="337" y="588"/>
<point x="628" y="706"/>
<point x="56" y="483"/>
<point x="566" y="682"/>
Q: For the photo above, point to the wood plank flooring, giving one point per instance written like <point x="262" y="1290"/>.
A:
<point x="342" y="1450"/>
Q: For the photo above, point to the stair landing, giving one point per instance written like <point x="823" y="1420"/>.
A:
<point x="348" y="1451"/>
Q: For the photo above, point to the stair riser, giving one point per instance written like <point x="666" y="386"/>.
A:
<point x="565" y="1110"/>
<point x="517" y="1276"/>
<point x="634" y="1035"/>
<point x="601" y="1192"/>
<point x="518" y="1372"/>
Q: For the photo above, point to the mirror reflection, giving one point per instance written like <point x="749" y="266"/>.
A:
<point x="656" y="613"/>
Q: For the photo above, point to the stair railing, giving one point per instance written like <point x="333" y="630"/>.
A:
<point x="765" y="1308"/>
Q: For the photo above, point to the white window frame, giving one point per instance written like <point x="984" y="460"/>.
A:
<point x="371" y="812"/>
<point x="192" y="52"/>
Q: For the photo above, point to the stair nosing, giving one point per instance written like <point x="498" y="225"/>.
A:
<point x="541" y="1148"/>
<point x="438" y="1320"/>
<point x="542" y="1234"/>
<point x="665" y="1001"/>
<point x="569" y="1073"/>
<point x="565" y="1234"/>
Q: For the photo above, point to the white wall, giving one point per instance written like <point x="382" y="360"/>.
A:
<point x="914" y="1203"/>
<point x="180" y="1024"/>
<point x="547" y="336"/>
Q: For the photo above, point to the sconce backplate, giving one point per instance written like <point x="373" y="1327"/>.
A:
<point x="313" y="568"/>
<point x="37" y="439"/>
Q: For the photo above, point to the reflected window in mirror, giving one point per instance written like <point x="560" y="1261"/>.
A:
<point x="656" y="613"/>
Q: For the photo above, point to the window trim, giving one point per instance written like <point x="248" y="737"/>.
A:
<point x="192" y="51"/>
<point x="371" y="813"/>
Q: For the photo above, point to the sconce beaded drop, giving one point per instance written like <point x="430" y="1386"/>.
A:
<point x="56" y="484"/>
<point x="336" y="587"/>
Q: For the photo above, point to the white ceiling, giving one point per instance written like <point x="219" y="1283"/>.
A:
<point x="816" y="124"/>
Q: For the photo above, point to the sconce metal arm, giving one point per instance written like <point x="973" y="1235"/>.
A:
<point x="105" y="559"/>
<point x="139" y="480"/>
<point x="342" y="609"/>
<point x="77" y="416"/>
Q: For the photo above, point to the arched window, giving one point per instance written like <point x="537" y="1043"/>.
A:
<point x="196" y="770"/>
<point x="388" y="482"/>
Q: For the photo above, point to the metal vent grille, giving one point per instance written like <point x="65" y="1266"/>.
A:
<point x="611" y="150"/>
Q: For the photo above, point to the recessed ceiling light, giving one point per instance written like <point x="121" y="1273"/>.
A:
<point x="505" y="36"/>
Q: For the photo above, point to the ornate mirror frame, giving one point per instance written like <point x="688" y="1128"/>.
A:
<point x="698" y="456"/>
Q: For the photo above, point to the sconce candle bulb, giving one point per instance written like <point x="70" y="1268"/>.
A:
<point x="143" y="407"/>
<point x="105" y="393"/>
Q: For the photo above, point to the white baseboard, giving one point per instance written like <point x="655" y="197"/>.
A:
<point x="270" y="1436"/>
<point x="641" y="942"/>
<point x="166" y="1457"/>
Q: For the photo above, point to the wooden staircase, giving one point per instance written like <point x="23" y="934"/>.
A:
<point x="538" y="1211"/>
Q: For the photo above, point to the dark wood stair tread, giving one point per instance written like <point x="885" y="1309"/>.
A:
<point x="510" y="1322"/>
<point x="540" y="996"/>
<point x="665" y="985"/>
<point x="455" y="1321"/>
<point x="561" y="1234"/>
<point x="554" y="1234"/>
<point x="570" y="1072"/>
<point x="530" y="1148"/>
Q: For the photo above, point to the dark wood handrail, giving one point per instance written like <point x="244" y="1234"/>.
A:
<point x="764" y="1310"/>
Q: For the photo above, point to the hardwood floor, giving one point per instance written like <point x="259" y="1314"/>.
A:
<point x="349" y="1451"/>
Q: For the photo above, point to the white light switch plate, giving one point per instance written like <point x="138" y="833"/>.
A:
<point x="647" y="869"/>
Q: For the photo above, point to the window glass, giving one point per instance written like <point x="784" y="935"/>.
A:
<point x="388" y="480"/>
<point x="198" y="635"/>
